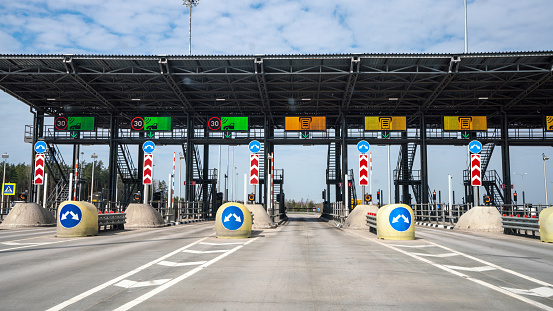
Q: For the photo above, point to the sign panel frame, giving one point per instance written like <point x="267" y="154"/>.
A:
<point x="75" y="123"/>
<point x="385" y="123"/>
<point x="229" y="124"/>
<point x="465" y="123"/>
<point x="152" y="124"/>
<point x="305" y="124"/>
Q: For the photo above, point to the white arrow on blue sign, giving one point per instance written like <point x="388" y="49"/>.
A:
<point x="70" y="216"/>
<point x="254" y="146"/>
<point x="148" y="146"/>
<point x="400" y="219"/>
<point x="232" y="217"/>
<point x="40" y="147"/>
<point x="363" y="146"/>
<point x="475" y="146"/>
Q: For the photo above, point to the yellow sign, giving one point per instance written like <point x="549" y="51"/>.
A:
<point x="465" y="123"/>
<point x="387" y="123"/>
<point x="8" y="189"/>
<point x="305" y="124"/>
<point x="549" y="123"/>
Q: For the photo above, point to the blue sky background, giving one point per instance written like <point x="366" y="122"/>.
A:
<point x="141" y="27"/>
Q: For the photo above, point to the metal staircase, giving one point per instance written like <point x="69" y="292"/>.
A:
<point x="351" y="191"/>
<point x="404" y="175"/>
<point x="128" y="173"/>
<point x="332" y="171"/>
<point x="59" y="171"/>
<point x="207" y="186"/>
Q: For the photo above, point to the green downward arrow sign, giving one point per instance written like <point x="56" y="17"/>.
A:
<point x="385" y="134"/>
<point x="305" y="134"/>
<point x="150" y="134"/>
<point x="465" y="134"/>
<point x="73" y="134"/>
<point x="227" y="134"/>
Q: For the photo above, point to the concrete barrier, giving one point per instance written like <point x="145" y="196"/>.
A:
<point x="233" y="221"/>
<point x="357" y="219"/>
<point x="395" y="222"/>
<point x="546" y="225"/>
<point x="481" y="219"/>
<point x="261" y="219"/>
<point x="143" y="216"/>
<point x="77" y="219"/>
<point x="28" y="215"/>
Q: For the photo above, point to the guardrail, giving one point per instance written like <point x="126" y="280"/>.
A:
<point x="520" y="225"/>
<point x="371" y="222"/>
<point x="115" y="221"/>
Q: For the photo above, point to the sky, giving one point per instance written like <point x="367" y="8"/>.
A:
<point x="246" y="27"/>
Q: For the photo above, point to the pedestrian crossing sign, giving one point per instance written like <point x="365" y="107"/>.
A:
<point x="8" y="189"/>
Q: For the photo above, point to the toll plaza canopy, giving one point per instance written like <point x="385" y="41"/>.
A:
<point x="519" y="84"/>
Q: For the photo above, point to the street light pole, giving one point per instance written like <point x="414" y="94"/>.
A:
<point x="5" y="156"/>
<point x="545" y="158"/>
<point x="94" y="156"/>
<point x="190" y="4"/>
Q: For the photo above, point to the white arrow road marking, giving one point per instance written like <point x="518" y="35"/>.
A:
<point x="134" y="284"/>
<point x="545" y="292"/>
<point x="180" y="264"/>
<point x="204" y="252"/>
<point x="167" y="285"/>
<point x="474" y="269"/>
<point x="436" y="255"/>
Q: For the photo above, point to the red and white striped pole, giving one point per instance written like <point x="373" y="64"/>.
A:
<point x="371" y="174"/>
<point x="76" y="176"/>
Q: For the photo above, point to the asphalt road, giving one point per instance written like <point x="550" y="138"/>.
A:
<point x="305" y="264"/>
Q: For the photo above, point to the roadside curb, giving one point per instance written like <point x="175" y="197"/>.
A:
<point x="434" y="225"/>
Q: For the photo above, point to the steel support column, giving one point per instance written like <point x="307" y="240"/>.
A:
<point x="206" y="178"/>
<point x="424" y="161"/>
<point x="505" y="157"/>
<point x="189" y="170"/>
<point x="112" y="177"/>
<point x="344" y="162"/>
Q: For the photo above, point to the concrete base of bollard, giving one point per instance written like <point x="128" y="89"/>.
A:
<point x="546" y="225"/>
<point x="480" y="219"/>
<point x="77" y="219"/>
<point x="143" y="216"/>
<point x="261" y="219"/>
<point x="357" y="219"/>
<point x="28" y="215"/>
<point x="233" y="221"/>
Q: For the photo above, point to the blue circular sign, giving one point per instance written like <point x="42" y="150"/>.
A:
<point x="400" y="219"/>
<point x="254" y="146"/>
<point x="40" y="147"/>
<point x="232" y="217"/>
<point x="70" y="216"/>
<point x="148" y="146"/>
<point x="363" y="146"/>
<point x="475" y="146"/>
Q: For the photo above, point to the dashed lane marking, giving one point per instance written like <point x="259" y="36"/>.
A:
<point x="473" y="269"/>
<point x="436" y="255"/>
<point x="134" y="284"/>
<point x="545" y="292"/>
<point x="167" y="285"/>
<point x="204" y="252"/>
<point x="466" y="277"/>
<point x="121" y="278"/>
<point x="180" y="264"/>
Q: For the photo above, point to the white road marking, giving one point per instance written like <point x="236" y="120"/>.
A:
<point x="520" y="275"/>
<point x="167" y="285"/>
<point x="416" y="246"/>
<point x="31" y="245"/>
<point x="436" y="255"/>
<point x="180" y="264"/>
<point x="222" y="244"/>
<point x="473" y="269"/>
<point x="120" y="278"/>
<point x="17" y="243"/>
<point x="134" y="284"/>
<point x="545" y="292"/>
<point x="204" y="252"/>
<point x="466" y="277"/>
